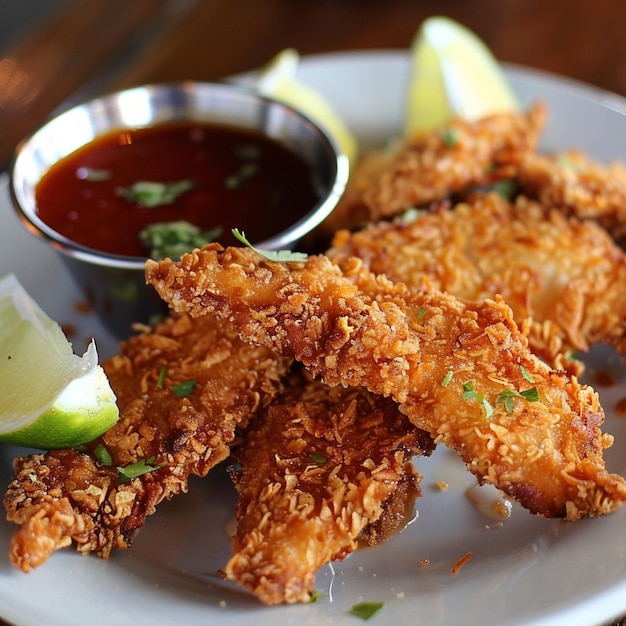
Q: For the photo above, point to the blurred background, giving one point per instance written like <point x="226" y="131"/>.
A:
<point x="17" y="16"/>
<point x="54" y="53"/>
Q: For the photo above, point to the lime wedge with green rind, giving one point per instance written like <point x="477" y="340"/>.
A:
<point x="51" y="397"/>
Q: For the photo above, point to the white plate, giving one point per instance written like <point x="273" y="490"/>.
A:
<point x="529" y="570"/>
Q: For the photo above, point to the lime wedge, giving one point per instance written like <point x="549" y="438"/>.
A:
<point x="278" y="80"/>
<point x="51" y="398"/>
<point x="453" y="74"/>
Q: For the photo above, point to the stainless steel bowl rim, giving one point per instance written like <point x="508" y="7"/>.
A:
<point x="26" y="207"/>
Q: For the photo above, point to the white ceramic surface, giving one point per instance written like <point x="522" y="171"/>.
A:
<point x="526" y="570"/>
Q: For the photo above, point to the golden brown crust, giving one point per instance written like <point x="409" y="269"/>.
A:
<point x="353" y="328"/>
<point x="321" y="469"/>
<point x="431" y="166"/>
<point x="66" y="496"/>
<point x="564" y="279"/>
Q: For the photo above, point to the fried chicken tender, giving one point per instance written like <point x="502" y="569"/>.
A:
<point x="320" y="470"/>
<point x="460" y="370"/>
<point x="579" y="186"/>
<point x="70" y="495"/>
<point x="564" y="279"/>
<point x="435" y="164"/>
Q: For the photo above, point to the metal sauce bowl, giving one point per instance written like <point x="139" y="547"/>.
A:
<point x="115" y="284"/>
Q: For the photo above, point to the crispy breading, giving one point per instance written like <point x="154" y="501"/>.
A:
<point x="70" y="495"/>
<point x="578" y="185"/>
<point x="319" y="469"/>
<point x="435" y="164"/>
<point x="460" y="370"/>
<point x="564" y="279"/>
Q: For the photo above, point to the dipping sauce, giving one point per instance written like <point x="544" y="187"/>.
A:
<point x="211" y="176"/>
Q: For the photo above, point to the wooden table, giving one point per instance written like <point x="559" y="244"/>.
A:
<point x="91" y="46"/>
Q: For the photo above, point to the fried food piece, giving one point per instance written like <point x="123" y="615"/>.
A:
<point x="564" y="279"/>
<point x="579" y="186"/>
<point x="433" y="165"/>
<point x="68" y="495"/>
<point x="460" y="370"/>
<point x="320" y="469"/>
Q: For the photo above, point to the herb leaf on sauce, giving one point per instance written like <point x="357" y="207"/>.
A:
<point x="150" y="194"/>
<point x="173" y="239"/>
<point x="270" y="255"/>
<point x="247" y="170"/>
<point x="93" y="175"/>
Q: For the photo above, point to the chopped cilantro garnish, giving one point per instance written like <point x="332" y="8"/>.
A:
<point x="507" y="397"/>
<point x="410" y="215"/>
<point x="421" y="313"/>
<point x="173" y="239"/>
<point x="318" y="458"/>
<point x="532" y="394"/>
<point x="248" y="151"/>
<point x="469" y="392"/>
<point x="247" y="170"/>
<point x="365" y="610"/>
<point x="103" y="456"/>
<point x="450" y="137"/>
<point x="526" y="374"/>
<point x="315" y="596"/>
<point x="504" y="188"/>
<point x="270" y="255"/>
<point x="137" y="469"/>
<point x="151" y="194"/>
<point x="161" y="379"/>
<point x="447" y="378"/>
<point x="183" y="389"/>
<point x="93" y="175"/>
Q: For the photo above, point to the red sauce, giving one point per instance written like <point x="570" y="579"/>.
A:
<point x="238" y="179"/>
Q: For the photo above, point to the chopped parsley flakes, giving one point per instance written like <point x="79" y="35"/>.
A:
<point x="134" y="470"/>
<point x="128" y="472"/>
<point x="247" y="170"/>
<point x="365" y="610"/>
<point x="173" y="239"/>
<point x="103" y="456"/>
<point x="93" y="175"/>
<point x="507" y="397"/>
<point x="526" y="374"/>
<point x="470" y="393"/>
<point x="184" y="389"/>
<point x="150" y="194"/>
<point x="161" y="379"/>
<point x="450" y="137"/>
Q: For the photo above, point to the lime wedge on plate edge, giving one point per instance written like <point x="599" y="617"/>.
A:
<point x="51" y="397"/>
<point x="453" y="74"/>
<point x="277" y="79"/>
